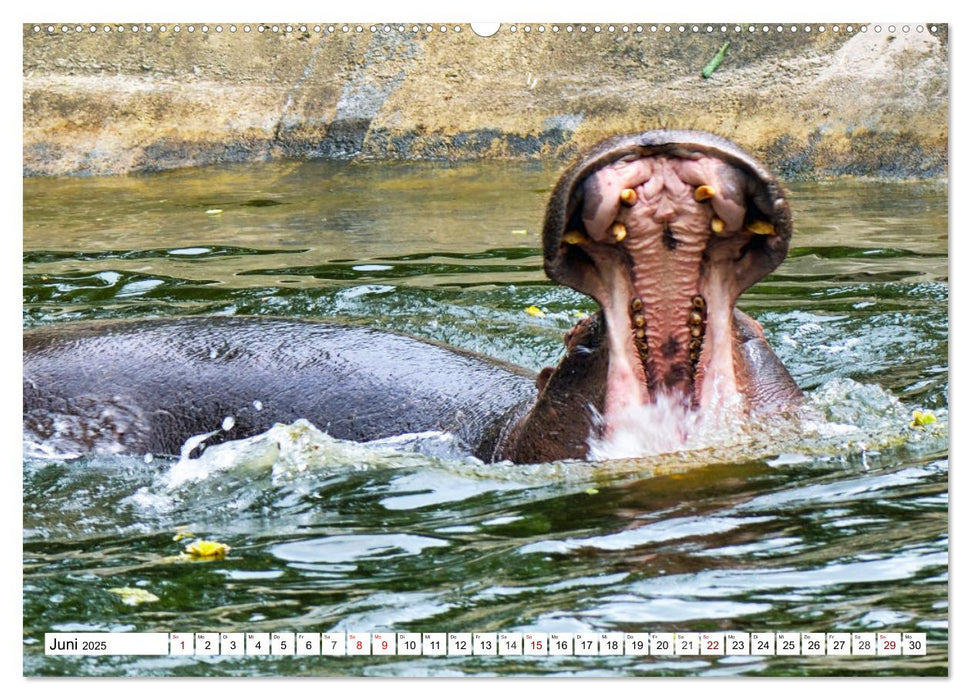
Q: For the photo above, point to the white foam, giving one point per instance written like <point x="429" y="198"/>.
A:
<point x="260" y="452"/>
<point x="667" y="426"/>
<point x="291" y="449"/>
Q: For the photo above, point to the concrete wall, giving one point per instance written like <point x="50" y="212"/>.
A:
<point x="809" y="104"/>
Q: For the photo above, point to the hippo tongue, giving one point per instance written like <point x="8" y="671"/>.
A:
<point x="665" y="236"/>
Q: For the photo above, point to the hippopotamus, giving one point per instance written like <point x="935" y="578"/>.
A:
<point x="663" y="229"/>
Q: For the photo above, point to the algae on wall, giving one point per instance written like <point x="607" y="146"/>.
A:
<point x="809" y="103"/>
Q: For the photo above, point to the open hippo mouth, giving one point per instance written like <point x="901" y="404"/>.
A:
<point x="665" y="230"/>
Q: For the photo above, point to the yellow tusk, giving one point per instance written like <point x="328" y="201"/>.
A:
<point x="619" y="231"/>
<point x="704" y="192"/>
<point x="628" y="196"/>
<point x="717" y="225"/>
<point x="574" y="238"/>
<point x="761" y="228"/>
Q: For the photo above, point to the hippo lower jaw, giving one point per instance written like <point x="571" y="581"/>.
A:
<point x="665" y="230"/>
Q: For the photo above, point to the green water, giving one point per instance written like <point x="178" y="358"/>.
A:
<point x="842" y="533"/>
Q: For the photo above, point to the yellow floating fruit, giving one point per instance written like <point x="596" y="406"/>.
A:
<point x="535" y="311"/>
<point x="182" y="535"/>
<point x="922" y="418"/>
<point x="213" y="212"/>
<point x="134" y="596"/>
<point x="205" y="549"/>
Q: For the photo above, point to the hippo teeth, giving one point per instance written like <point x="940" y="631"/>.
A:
<point x="696" y="327"/>
<point x="665" y="235"/>
<point x="695" y="323"/>
<point x="680" y="227"/>
<point x="696" y="330"/>
<point x="650" y="216"/>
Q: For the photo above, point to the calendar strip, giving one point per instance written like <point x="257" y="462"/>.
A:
<point x="486" y="644"/>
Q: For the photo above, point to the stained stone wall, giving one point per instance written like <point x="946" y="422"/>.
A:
<point x="809" y="103"/>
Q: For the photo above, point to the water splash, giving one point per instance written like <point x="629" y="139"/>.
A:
<point x="667" y="426"/>
<point x="841" y="416"/>
<point x="288" y="449"/>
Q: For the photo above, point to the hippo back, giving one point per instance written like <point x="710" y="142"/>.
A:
<point x="146" y="386"/>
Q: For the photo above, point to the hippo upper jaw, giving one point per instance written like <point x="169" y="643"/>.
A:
<point x="665" y="230"/>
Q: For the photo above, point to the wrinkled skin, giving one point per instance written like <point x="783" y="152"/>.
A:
<point x="663" y="229"/>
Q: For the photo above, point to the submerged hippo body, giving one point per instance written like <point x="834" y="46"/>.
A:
<point x="146" y="386"/>
<point x="663" y="229"/>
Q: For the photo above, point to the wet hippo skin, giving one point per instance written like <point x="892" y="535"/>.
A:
<point x="663" y="229"/>
<point x="146" y="386"/>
